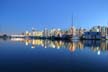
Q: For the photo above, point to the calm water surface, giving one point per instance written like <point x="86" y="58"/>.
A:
<point x="20" y="55"/>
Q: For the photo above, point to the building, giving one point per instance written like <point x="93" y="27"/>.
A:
<point x="81" y="32"/>
<point x="46" y="32"/>
<point x="91" y="35"/>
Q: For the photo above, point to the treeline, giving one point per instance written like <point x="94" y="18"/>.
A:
<point x="4" y="36"/>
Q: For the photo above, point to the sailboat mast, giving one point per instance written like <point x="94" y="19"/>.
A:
<point x="72" y="20"/>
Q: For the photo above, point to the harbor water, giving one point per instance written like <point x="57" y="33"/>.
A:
<point x="25" y="55"/>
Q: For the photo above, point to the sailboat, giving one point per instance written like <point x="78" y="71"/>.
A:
<point x="74" y="35"/>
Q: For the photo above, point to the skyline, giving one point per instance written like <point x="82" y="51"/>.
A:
<point x="17" y="16"/>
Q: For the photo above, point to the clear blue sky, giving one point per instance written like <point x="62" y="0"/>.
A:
<point x="20" y="15"/>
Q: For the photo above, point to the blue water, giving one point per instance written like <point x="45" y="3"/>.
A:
<point x="17" y="56"/>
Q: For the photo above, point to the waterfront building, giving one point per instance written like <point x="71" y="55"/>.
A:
<point x="45" y="32"/>
<point x="80" y="32"/>
<point x="91" y="35"/>
<point x="27" y="33"/>
<point x="103" y="31"/>
<point x="59" y="32"/>
<point x="36" y="33"/>
<point x="95" y="29"/>
<point x="17" y="36"/>
<point x="33" y="32"/>
<point x="99" y="27"/>
<point x="75" y="33"/>
<point x="56" y="32"/>
<point x="39" y="33"/>
<point x="52" y="32"/>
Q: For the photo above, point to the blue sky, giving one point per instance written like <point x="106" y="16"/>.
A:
<point x="20" y="15"/>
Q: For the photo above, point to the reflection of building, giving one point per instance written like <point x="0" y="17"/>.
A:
<point x="56" y="44"/>
<point x="27" y="33"/>
<point x="94" y="45"/>
<point x="17" y="39"/>
<point x="72" y="47"/>
<point x="27" y="42"/>
<point x="80" y="45"/>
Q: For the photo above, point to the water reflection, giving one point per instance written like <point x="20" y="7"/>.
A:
<point x="97" y="46"/>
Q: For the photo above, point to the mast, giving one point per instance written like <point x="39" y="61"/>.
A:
<point x="107" y="29"/>
<point x="72" y="28"/>
<point x="72" y="20"/>
<point x="0" y="29"/>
